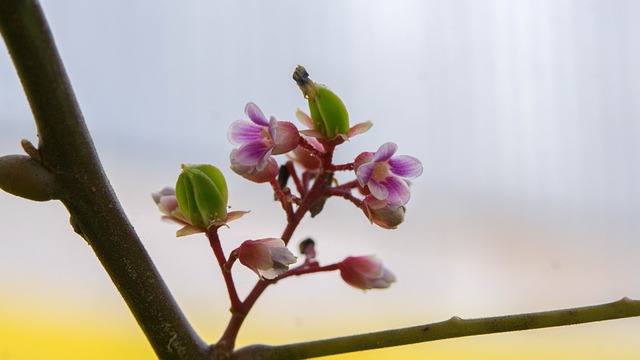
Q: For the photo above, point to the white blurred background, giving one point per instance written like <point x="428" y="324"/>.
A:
<point x="525" y="115"/>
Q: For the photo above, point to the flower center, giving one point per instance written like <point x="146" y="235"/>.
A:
<point x="380" y="171"/>
<point x="266" y="137"/>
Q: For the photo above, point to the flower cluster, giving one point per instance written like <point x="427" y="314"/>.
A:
<point x="302" y="183"/>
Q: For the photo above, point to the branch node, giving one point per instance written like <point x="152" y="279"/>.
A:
<point x="25" y="177"/>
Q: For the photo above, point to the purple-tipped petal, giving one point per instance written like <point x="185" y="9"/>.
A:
<point x="285" y="136"/>
<point x="255" y="114"/>
<point x="405" y="166"/>
<point x="362" y="159"/>
<point x="364" y="172"/>
<point x="385" y="152"/>
<point x="244" y="131"/>
<point x="252" y="154"/>
<point x="398" y="192"/>
<point x="378" y="190"/>
<point x="268" y="172"/>
<point x="273" y="127"/>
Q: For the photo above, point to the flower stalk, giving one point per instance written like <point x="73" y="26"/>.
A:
<point x="214" y="241"/>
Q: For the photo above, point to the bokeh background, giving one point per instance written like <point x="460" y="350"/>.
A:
<point x="524" y="113"/>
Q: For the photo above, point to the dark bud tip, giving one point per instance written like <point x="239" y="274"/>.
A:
<point x="305" y="244"/>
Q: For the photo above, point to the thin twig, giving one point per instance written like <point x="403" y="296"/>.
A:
<point x="449" y="329"/>
<point x="214" y="241"/>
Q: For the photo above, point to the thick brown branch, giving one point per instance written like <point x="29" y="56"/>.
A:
<point x="67" y="152"/>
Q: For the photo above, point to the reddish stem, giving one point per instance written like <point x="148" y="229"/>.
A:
<point x="343" y="194"/>
<point x="312" y="149"/>
<point x="286" y="204"/>
<point x="342" y="167"/>
<point x="306" y="269"/>
<point x="214" y="241"/>
<point x="226" y="343"/>
<point x="307" y="176"/>
<point x="302" y="190"/>
<point x="348" y="185"/>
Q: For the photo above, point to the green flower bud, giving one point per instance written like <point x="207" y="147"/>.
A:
<point x="201" y="192"/>
<point x="329" y="115"/>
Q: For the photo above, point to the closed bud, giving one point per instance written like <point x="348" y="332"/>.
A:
<point x="365" y="272"/>
<point x="383" y="214"/>
<point x="328" y="112"/>
<point x="268" y="258"/>
<point x="202" y="195"/>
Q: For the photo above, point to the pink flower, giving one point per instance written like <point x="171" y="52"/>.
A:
<point x="381" y="213"/>
<point x="266" y="257"/>
<point x="258" y="138"/>
<point x="365" y="272"/>
<point x="383" y="173"/>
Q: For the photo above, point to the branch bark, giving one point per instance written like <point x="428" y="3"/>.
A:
<point x="67" y="152"/>
<point x="452" y="328"/>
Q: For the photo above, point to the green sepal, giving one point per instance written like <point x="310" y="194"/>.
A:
<point x="316" y="116"/>
<point x="328" y="112"/>
<point x="201" y="192"/>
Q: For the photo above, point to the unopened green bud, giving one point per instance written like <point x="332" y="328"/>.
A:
<point x="329" y="115"/>
<point x="201" y="192"/>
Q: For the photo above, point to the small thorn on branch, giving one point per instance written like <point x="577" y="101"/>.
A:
<point x="31" y="150"/>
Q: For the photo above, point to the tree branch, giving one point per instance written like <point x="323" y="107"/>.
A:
<point x="67" y="153"/>
<point x="452" y="328"/>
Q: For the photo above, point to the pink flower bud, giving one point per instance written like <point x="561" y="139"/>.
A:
<point x="304" y="157"/>
<point x="166" y="200"/>
<point x="268" y="258"/>
<point x="252" y="173"/>
<point x="308" y="249"/>
<point x="365" y="272"/>
<point x="381" y="213"/>
<point x="168" y="204"/>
